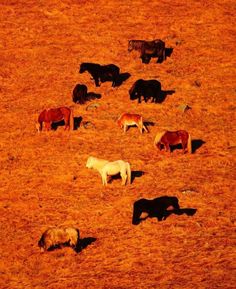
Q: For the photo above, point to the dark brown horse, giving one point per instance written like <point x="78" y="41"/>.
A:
<point x="169" y="138"/>
<point x="148" y="49"/>
<point x="55" y="115"/>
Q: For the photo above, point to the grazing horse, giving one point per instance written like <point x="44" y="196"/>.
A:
<point x="59" y="236"/>
<point x="80" y="93"/>
<point x="147" y="89"/>
<point x="128" y="119"/>
<point x="154" y="208"/>
<point x="168" y="138"/>
<point x="106" y="168"/>
<point x="148" y="49"/>
<point x="55" y="115"/>
<point x="101" y="73"/>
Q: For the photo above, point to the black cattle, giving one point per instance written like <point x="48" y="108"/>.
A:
<point x="101" y="73"/>
<point x="154" y="208"/>
<point x="147" y="89"/>
<point x="81" y="94"/>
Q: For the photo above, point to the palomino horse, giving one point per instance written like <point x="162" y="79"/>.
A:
<point x="128" y="119"/>
<point x="106" y="168"/>
<point x="168" y="138"/>
<point x="55" y="115"/>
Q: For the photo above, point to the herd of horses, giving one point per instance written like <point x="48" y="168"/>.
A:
<point x="140" y="90"/>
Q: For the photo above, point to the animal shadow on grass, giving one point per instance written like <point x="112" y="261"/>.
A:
<point x="149" y="123"/>
<point x="163" y="95"/>
<point x="158" y="208"/>
<point x="196" y="144"/>
<point x="77" y="122"/>
<point x="121" y="78"/>
<point x="55" y="125"/>
<point x="93" y="95"/>
<point x="136" y="174"/>
<point x="168" y="51"/>
<point x="84" y="243"/>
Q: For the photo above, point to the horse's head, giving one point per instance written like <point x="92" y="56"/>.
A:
<point x="89" y="163"/>
<point x="82" y="67"/>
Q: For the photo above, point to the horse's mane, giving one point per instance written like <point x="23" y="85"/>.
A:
<point x="158" y="137"/>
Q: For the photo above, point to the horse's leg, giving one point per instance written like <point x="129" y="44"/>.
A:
<point x="47" y="126"/>
<point x="124" y="178"/>
<point x="139" y="98"/>
<point x="96" y="79"/>
<point x="140" y="127"/>
<point x="167" y="147"/>
<point x="125" y="128"/>
<point x="104" y="178"/>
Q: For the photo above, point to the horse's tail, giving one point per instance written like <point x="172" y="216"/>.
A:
<point x="189" y="144"/>
<point x="158" y="137"/>
<point x="132" y="88"/>
<point x="128" y="169"/>
<point x="71" y="119"/>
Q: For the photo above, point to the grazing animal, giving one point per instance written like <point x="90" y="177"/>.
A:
<point x="80" y="93"/>
<point x="55" y="115"/>
<point x="59" y="236"/>
<point x="148" y="49"/>
<point x="106" y="168"/>
<point x="169" y="138"/>
<point x="128" y="119"/>
<point x="101" y="73"/>
<point x="154" y="208"/>
<point x="147" y="89"/>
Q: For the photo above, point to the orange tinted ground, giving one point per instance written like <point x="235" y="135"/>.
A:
<point x="44" y="181"/>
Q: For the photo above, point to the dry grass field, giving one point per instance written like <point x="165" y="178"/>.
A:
<point x="44" y="181"/>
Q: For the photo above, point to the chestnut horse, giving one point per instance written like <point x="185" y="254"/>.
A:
<point x="128" y="119"/>
<point x="168" y="138"/>
<point x="55" y="115"/>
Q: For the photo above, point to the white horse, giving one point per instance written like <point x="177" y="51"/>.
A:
<point x="106" y="168"/>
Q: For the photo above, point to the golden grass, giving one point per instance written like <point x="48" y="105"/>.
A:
<point x="44" y="181"/>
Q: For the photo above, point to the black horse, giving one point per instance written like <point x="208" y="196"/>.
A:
<point x="147" y="89"/>
<point x="101" y="73"/>
<point x="155" y="208"/>
<point x="81" y="95"/>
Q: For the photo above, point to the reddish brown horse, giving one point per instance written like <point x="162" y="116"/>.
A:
<point x="168" y="138"/>
<point x="55" y="115"/>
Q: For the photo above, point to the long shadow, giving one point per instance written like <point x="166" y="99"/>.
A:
<point x="122" y="77"/>
<point x="55" y="125"/>
<point x="84" y="243"/>
<point x="158" y="208"/>
<point x="77" y="122"/>
<point x="136" y="174"/>
<point x="81" y="245"/>
<point x="196" y="144"/>
<point x="149" y="123"/>
<point x="168" y="51"/>
<point x="163" y="94"/>
<point x="93" y="95"/>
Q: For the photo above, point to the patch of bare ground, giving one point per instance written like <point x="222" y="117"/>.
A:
<point x="44" y="181"/>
